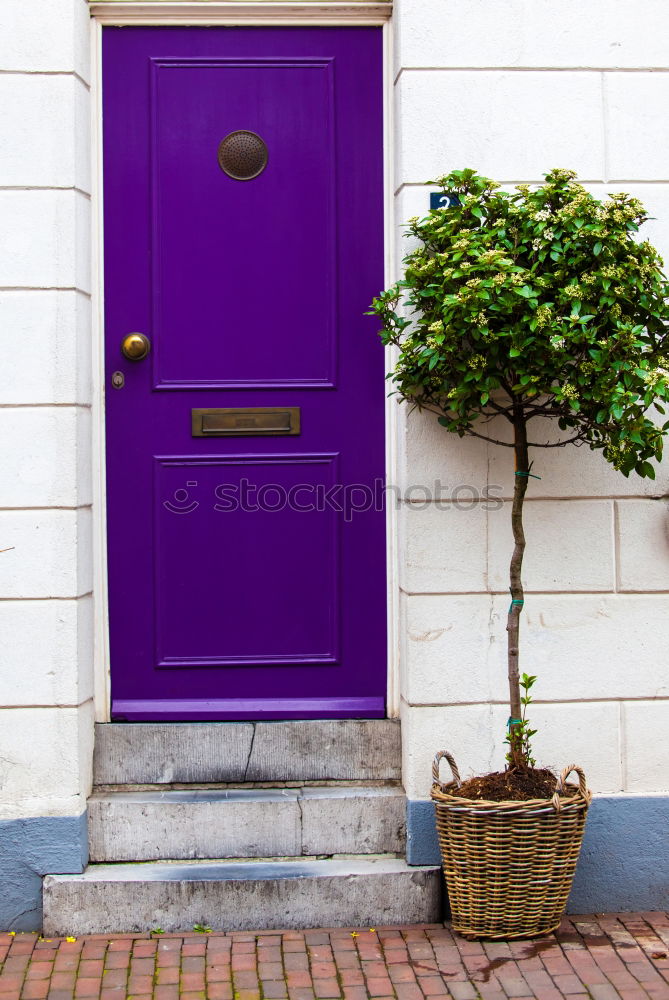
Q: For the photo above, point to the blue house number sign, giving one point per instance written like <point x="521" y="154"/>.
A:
<point x="440" y="200"/>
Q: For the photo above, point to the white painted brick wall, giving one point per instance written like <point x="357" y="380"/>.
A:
<point x="45" y="239"/>
<point x="531" y="33"/>
<point x="587" y="733"/>
<point x="511" y="125"/>
<point x="637" y="125"/>
<point x="569" y="545"/>
<point x="45" y="36"/>
<point x="643" y="545"/>
<point x="466" y="730"/>
<point x="36" y="448"/>
<point x="46" y="617"/>
<point x="583" y="647"/>
<point x="45" y="673"/>
<point x="50" y="336"/>
<point x="444" y="547"/>
<point x="646" y="758"/>
<point x="431" y="455"/>
<point x="44" y="760"/>
<point x="45" y="127"/>
<point x="512" y="90"/>
<point x="446" y="650"/>
<point x="591" y="647"/>
<point x="49" y="553"/>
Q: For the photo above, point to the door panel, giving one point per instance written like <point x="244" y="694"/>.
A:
<point x="242" y="583"/>
<point x="286" y="214"/>
<point x="299" y="623"/>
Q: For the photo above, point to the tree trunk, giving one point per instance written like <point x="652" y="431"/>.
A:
<point x="516" y="586"/>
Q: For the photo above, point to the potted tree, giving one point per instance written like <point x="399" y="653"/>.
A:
<point x="515" y="306"/>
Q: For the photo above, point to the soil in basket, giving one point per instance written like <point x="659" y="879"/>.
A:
<point x="500" y="786"/>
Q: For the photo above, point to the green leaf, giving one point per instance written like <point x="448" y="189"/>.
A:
<point x="597" y="249"/>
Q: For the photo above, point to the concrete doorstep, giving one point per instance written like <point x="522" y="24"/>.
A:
<point x="240" y="895"/>
<point x="245" y="823"/>
<point x="201" y="752"/>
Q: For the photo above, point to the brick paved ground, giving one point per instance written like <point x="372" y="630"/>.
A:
<point x="603" y="958"/>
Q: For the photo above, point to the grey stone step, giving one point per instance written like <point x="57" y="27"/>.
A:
<point x="241" y="895"/>
<point x="245" y="823"/>
<point x="201" y="752"/>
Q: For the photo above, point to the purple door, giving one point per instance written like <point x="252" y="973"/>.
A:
<point x="245" y="452"/>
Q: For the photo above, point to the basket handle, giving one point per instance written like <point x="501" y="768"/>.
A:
<point x="582" y="785"/>
<point x="451" y="763"/>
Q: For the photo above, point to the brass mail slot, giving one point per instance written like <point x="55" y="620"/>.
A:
<point x="251" y="420"/>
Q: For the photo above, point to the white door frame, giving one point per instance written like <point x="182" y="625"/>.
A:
<point x="303" y="13"/>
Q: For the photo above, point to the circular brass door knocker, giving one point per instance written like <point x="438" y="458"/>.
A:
<point x="242" y="155"/>
<point x="135" y="346"/>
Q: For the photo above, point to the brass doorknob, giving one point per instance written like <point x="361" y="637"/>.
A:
<point x="135" y="346"/>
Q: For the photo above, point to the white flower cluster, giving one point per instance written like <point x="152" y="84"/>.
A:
<point x="544" y="316"/>
<point x="657" y="375"/>
<point x="493" y="256"/>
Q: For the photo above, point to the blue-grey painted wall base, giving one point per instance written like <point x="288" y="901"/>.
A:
<point x="624" y="863"/>
<point x="422" y="843"/>
<point x="29" y="849"/>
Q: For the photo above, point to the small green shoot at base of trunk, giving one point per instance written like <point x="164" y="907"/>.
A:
<point x="520" y="735"/>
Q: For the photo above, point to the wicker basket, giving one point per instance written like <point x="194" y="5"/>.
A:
<point x="508" y="865"/>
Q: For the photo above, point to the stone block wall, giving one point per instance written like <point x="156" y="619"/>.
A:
<point x="513" y="90"/>
<point x="46" y="615"/>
